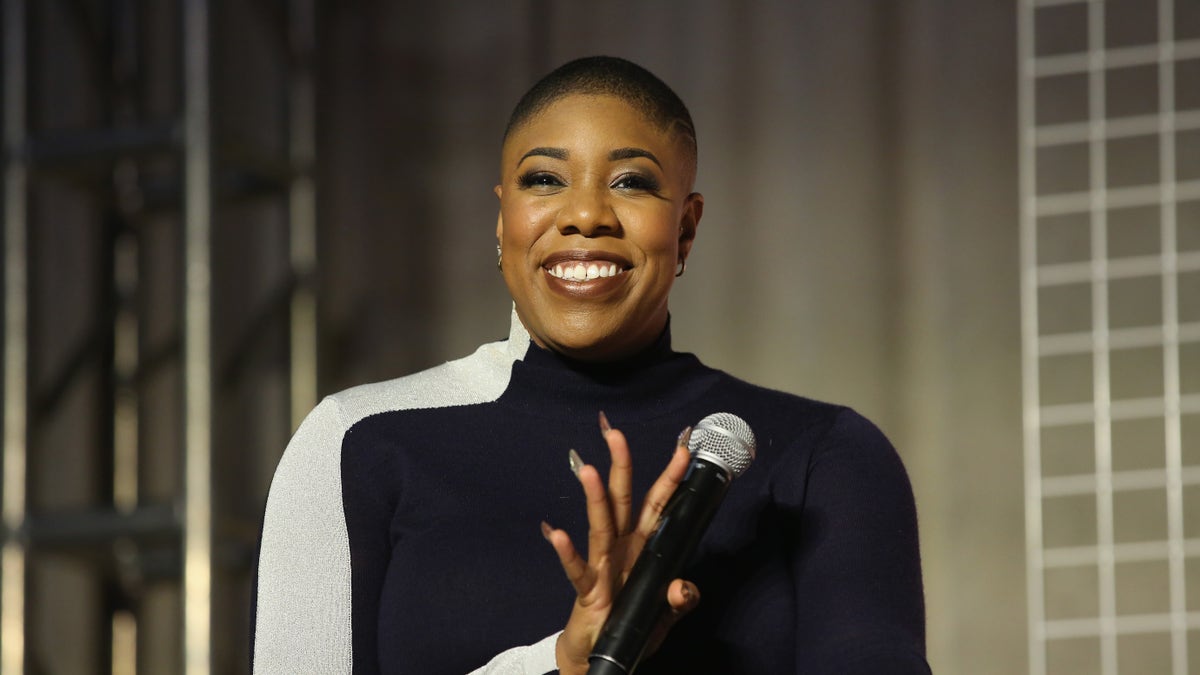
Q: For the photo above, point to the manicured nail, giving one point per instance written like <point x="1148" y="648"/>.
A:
<point x="684" y="436"/>
<point x="546" y="530"/>
<point x="605" y="427"/>
<point x="576" y="462"/>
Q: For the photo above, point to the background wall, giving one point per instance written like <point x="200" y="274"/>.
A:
<point x="859" y="244"/>
<point x="859" y="241"/>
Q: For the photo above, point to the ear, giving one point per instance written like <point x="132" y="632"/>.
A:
<point x="689" y="221"/>
<point x="499" y="217"/>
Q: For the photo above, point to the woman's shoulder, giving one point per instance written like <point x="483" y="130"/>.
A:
<point x="795" y="420"/>
<point x="479" y="377"/>
<point x="783" y="405"/>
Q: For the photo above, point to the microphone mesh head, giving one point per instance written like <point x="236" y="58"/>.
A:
<point x="726" y="439"/>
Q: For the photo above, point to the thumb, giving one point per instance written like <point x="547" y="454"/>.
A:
<point x="683" y="597"/>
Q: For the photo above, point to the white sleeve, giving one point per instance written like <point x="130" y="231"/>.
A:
<point x="534" y="659"/>
<point x="302" y="618"/>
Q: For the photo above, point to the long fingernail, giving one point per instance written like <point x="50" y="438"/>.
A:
<point x="605" y="427"/>
<point x="685" y="436"/>
<point x="546" y="530"/>
<point x="576" y="462"/>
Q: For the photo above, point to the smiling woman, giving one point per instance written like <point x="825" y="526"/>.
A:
<point x="589" y="186"/>
<point x="402" y="528"/>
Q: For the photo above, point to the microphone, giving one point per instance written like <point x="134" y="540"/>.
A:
<point x="722" y="446"/>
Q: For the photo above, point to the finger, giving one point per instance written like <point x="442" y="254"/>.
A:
<point x="661" y="491"/>
<point x="620" y="480"/>
<point x="601" y="532"/>
<point x="578" y="572"/>
<point x="682" y="596"/>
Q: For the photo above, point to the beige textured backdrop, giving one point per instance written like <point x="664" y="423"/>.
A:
<point x="859" y="242"/>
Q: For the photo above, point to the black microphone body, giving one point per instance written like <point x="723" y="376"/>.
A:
<point x="643" y="599"/>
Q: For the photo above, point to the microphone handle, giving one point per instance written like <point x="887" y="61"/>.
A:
<point x="599" y="666"/>
<point x="642" y="601"/>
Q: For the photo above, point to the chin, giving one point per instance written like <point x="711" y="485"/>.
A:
<point x="585" y="348"/>
<point x="591" y="336"/>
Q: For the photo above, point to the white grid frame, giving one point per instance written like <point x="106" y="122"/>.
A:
<point x="1099" y="342"/>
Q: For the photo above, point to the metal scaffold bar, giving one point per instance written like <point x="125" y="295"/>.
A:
<point x="1032" y="418"/>
<point x="12" y="557"/>
<point x="302" y="209"/>
<point x="143" y="174"/>
<point x="197" y="576"/>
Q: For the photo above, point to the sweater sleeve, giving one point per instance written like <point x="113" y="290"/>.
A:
<point x="536" y="659"/>
<point x="856" y="559"/>
<point x="301" y="619"/>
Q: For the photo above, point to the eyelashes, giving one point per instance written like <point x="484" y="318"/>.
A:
<point x="630" y="182"/>
<point x="538" y="179"/>
<point x="637" y="182"/>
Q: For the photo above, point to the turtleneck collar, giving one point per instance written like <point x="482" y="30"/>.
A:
<point x="652" y="382"/>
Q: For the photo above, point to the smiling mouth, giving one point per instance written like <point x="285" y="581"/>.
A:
<point x="581" y="271"/>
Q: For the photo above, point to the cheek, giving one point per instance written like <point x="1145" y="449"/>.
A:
<point x="659" y="235"/>
<point x="524" y="223"/>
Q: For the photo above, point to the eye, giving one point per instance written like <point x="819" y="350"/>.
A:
<point x="636" y="182"/>
<point x="539" y="179"/>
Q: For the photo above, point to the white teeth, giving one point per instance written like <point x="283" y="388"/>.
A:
<point x="582" y="272"/>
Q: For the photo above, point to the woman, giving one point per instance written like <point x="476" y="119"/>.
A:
<point x="401" y="532"/>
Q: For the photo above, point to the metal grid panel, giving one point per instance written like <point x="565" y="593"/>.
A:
<point x="1110" y="256"/>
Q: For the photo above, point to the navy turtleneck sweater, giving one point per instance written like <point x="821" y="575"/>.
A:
<point x="401" y="533"/>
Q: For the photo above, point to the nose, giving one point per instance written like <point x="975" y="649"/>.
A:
<point x="588" y="212"/>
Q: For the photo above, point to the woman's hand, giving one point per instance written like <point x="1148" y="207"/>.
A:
<point x="614" y="542"/>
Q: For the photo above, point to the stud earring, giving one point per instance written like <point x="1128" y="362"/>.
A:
<point x="499" y="257"/>
<point x="682" y="267"/>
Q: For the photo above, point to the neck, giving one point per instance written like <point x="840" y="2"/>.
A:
<point x="652" y="382"/>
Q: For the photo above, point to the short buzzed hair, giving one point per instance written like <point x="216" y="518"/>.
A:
<point x="609" y="76"/>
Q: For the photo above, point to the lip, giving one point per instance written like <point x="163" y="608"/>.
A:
<point x="584" y="256"/>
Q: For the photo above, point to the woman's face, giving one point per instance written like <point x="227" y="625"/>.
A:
<point x="595" y="213"/>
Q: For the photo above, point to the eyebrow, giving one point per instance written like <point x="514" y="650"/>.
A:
<point x="619" y="153"/>
<point x="556" y="153"/>
<point x="630" y="153"/>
